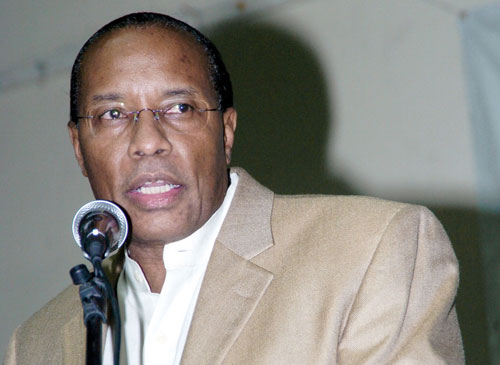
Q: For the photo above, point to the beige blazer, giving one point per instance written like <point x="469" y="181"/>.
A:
<point x="300" y="280"/>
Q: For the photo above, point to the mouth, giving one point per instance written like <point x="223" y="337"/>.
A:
<point x="155" y="191"/>
<point x="152" y="187"/>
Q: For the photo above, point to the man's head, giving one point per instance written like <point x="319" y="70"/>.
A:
<point x="170" y="180"/>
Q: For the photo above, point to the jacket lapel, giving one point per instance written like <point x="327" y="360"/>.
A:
<point x="233" y="285"/>
<point x="231" y="290"/>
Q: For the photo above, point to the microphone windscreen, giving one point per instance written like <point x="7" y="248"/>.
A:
<point x="102" y="206"/>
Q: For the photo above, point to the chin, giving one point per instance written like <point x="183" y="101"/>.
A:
<point x="161" y="236"/>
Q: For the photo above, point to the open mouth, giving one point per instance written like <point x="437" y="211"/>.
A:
<point x="156" y="187"/>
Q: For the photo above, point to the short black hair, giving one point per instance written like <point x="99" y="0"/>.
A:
<point x="216" y="69"/>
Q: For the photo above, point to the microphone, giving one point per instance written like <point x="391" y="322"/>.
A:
<point x="100" y="227"/>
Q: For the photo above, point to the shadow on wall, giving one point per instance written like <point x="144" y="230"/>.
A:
<point x="464" y="229"/>
<point x="284" y="121"/>
<point x="283" y="108"/>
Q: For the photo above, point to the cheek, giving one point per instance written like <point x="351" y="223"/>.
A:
<point x="101" y="163"/>
<point x="209" y="164"/>
<point x="206" y="156"/>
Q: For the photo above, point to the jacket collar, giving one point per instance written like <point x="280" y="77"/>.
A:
<point x="247" y="228"/>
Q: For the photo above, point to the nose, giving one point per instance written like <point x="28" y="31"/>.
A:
<point x="148" y="137"/>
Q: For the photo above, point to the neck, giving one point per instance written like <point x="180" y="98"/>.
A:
<point x="150" y="259"/>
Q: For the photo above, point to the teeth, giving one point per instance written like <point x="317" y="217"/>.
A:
<point x="156" y="182"/>
<point x="156" y="189"/>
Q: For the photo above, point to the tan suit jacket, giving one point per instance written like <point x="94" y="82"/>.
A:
<point x="300" y="280"/>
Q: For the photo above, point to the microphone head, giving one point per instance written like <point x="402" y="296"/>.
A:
<point x="102" y="206"/>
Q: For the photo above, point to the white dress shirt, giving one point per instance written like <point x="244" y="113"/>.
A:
<point x="155" y="326"/>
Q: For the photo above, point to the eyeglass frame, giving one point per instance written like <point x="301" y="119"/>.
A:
<point x="156" y="113"/>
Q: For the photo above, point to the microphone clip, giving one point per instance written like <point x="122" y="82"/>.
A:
<point x="93" y="294"/>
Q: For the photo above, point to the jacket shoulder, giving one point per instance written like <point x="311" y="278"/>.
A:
<point x="344" y="201"/>
<point x="345" y="229"/>
<point x="330" y="211"/>
<point x="57" y="312"/>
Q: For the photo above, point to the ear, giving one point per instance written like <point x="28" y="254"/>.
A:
<point x="229" y="117"/>
<point x="75" y="141"/>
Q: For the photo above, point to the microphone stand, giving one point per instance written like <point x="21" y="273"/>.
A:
<point x="95" y="289"/>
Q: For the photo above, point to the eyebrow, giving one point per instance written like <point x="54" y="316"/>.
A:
<point x="185" y="92"/>
<point x="107" y="97"/>
<point x="167" y="93"/>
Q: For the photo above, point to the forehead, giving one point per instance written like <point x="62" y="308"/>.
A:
<point x="145" y="57"/>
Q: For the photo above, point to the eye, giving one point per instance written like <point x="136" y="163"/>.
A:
<point x="180" y="108"/>
<point x="113" y="114"/>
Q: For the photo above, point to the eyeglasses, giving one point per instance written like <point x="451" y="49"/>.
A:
<point x="179" y="117"/>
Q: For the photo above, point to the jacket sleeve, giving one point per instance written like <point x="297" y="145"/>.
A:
<point x="404" y="311"/>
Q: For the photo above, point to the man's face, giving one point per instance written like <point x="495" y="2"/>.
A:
<point x="169" y="183"/>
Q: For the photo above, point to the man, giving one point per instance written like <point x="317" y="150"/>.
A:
<point x="219" y="269"/>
